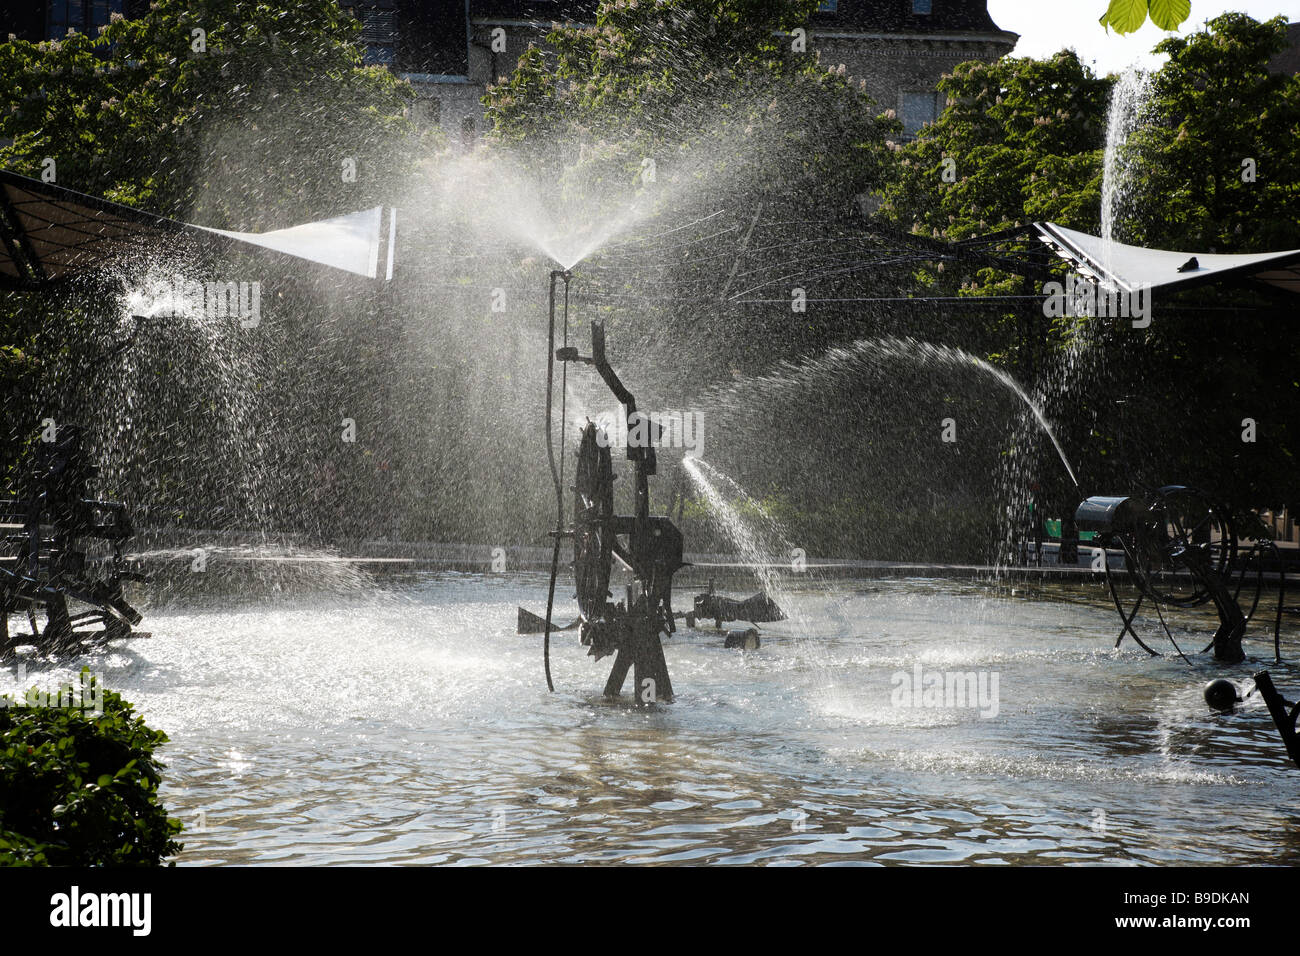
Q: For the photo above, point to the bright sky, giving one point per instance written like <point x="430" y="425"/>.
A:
<point x="1046" y="26"/>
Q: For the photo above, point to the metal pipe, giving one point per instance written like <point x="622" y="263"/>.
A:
<point x="550" y="454"/>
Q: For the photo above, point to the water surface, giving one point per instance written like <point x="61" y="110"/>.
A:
<point x="409" y="724"/>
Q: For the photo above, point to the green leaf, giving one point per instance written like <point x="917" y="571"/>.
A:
<point x="1170" y="14"/>
<point x="1125" y="15"/>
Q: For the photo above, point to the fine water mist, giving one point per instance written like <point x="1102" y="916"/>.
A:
<point x="809" y="377"/>
<point x="857" y="434"/>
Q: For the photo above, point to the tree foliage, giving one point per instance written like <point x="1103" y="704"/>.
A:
<point x="234" y="112"/>
<point x="1024" y="138"/>
<point x="1217" y="161"/>
<point x="737" y="79"/>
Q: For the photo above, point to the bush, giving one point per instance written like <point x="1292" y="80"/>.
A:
<point x="79" y="788"/>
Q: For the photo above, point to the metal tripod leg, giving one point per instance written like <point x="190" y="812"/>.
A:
<point x="1284" y="719"/>
<point x="622" y="664"/>
<point x="643" y="654"/>
<point x="1127" y="619"/>
<point x="651" y="670"/>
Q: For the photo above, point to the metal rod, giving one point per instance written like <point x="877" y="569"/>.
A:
<point x="556" y="472"/>
<point x="1281" y="599"/>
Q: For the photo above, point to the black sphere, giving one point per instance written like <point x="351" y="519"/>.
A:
<point x="1221" y="694"/>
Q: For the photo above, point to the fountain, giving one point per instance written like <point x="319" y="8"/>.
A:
<point x="1128" y="103"/>
<point x="405" y="419"/>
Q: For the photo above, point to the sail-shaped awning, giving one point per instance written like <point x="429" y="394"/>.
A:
<point x="350" y="242"/>
<point x="1129" y="268"/>
<point x="49" y="233"/>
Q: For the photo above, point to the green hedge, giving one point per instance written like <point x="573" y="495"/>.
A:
<point x="79" y="788"/>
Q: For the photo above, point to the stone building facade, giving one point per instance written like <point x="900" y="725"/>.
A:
<point x="451" y="50"/>
<point x="900" y="48"/>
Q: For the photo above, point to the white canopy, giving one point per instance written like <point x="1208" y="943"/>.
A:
<point x="49" y="233"/>
<point x="350" y="242"/>
<point x="1118" y="266"/>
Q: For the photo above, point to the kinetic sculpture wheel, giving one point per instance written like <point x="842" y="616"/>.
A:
<point x="593" y="513"/>
<point x="46" y="564"/>
<point x="1181" y="525"/>
<point x="1179" y="548"/>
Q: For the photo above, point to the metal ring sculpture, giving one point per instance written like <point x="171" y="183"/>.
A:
<point x="1179" y="519"/>
<point x="1179" y="547"/>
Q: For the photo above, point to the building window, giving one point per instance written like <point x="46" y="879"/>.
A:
<point x="81" y="16"/>
<point x="378" y="30"/>
<point x="922" y="6"/>
<point x="378" y="54"/>
<point x="918" y="110"/>
<point x="828" y="6"/>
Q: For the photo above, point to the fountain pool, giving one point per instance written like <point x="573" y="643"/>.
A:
<point x="408" y="724"/>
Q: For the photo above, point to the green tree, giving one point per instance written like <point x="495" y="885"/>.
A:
<point x="1219" y="160"/>
<point x="1020" y="140"/>
<point x="233" y="112"/>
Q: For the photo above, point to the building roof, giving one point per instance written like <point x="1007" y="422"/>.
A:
<point x="1288" y="61"/>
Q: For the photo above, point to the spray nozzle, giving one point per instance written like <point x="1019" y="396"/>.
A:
<point x="570" y="354"/>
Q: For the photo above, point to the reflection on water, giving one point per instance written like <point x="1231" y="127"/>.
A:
<point x="411" y="725"/>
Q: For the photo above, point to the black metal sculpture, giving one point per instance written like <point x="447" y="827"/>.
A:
<point x="1179" y="548"/>
<point x="45" y="562"/>
<point x="1284" y="714"/>
<point x="649" y="546"/>
<point x="756" y="609"/>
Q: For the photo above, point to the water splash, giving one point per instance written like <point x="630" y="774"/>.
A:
<point x="840" y="362"/>
<point x="761" y="542"/>
<point x="1128" y="102"/>
<point x="565" y="224"/>
<point x="756" y="552"/>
